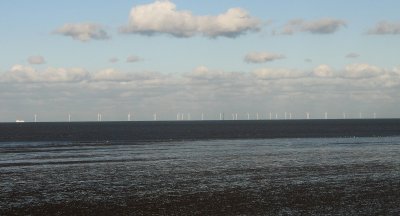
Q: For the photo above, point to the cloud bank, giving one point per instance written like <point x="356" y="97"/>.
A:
<point x="83" y="31"/>
<point x="200" y="90"/>
<point x="162" y="17"/>
<point x="28" y="74"/>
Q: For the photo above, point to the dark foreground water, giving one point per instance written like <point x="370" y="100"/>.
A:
<point x="281" y="176"/>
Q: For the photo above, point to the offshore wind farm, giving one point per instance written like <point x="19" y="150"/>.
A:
<point x="219" y="116"/>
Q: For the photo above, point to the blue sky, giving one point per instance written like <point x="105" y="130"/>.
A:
<point x="335" y="56"/>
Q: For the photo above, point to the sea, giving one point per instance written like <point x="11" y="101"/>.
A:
<point x="297" y="167"/>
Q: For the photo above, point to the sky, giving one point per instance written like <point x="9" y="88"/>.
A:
<point x="198" y="58"/>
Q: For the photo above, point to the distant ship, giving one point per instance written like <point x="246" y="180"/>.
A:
<point x="19" y="121"/>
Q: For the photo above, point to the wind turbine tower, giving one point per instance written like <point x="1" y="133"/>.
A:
<point x="35" y="117"/>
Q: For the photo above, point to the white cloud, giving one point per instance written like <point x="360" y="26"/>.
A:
<point x="271" y="74"/>
<point x="20" y="73"/>
<point x="261" y="57"/>
<point x="114" y="75"/>
<point x="109" y="74"/>
<point x="323" y="71"/>
<point x="202" y="72"/>
<point x="384" y="28"/>
<point x="320" y="26"/>
<point x="26" y="74"/>
<point x="163" y="17"/>
<point x="83" y="31"/>
<point x="64" y="75"/>
<point x="362" y="71"/>
<point x="36" y="60"/>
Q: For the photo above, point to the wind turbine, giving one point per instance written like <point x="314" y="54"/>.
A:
<point x="374" y="115"/>
<point x="285" y="115"/>
<point x="155" y="116"/>
<point x="248" y="116"/>
<point x="129" y="116"/>
<point x="344" y="115"/>
<point x="35" y="117"/>
<point x="326" y="115"/>
<point x="69" y="117"/>
<point x="202" y="116"/>
<point x="308" y="115"/>
<point x="270" y="115"/>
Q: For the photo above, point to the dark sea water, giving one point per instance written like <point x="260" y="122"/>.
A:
<point x="87" y="169"/>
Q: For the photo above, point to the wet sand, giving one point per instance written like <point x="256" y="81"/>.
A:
<point x="329" y="176"/>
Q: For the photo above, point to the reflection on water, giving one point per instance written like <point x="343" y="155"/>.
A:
<point x="277" y="176"/>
